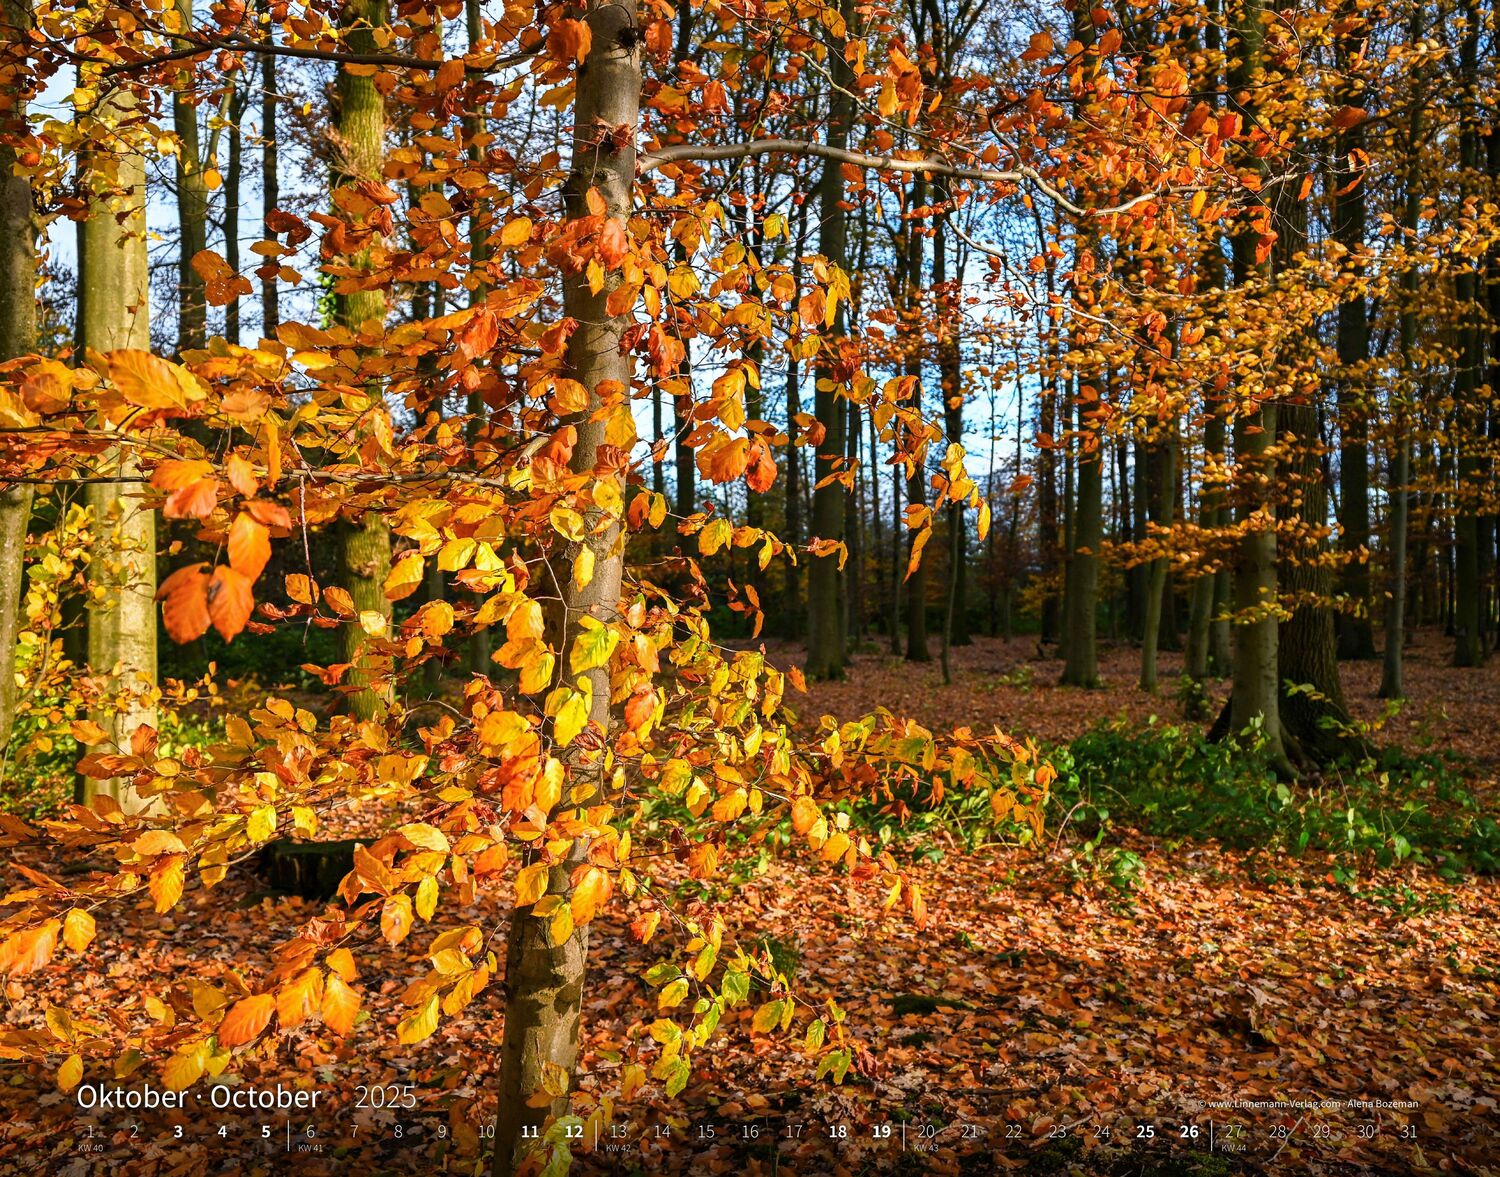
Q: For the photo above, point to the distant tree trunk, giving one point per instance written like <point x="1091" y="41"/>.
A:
<point x="1469" y="621"/>
<point x="544" y="981"/>
<point x="364" y="543"/>
<point x="114" y="312"/>
<point x="913" y="345"/>
<point x="950" y="369"/>
<point x="270" y="290"/>
<point x="18" y="274"/>
<point x="1162" y="485"/>
<point x="1356" y="635"/>
<point x="826" y="646"/>
<point x="192" y="213"/>
<point x="1403" y="417"/>
<point x="480" y="645"/>
<point x="233" y="181"/>
<point x="1200" y="660"/>
<point x="792" y="611"/>
<point x="1081" y="662"/>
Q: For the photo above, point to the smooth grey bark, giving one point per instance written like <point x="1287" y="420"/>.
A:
<point x="18" y="273"/>
<point x="114" y="313"/>
<point x="544" y="981"/>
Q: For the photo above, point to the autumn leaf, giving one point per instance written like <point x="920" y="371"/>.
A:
<point x="340" y="1005"/>
<point x="246" y="1019"/>
<point x="249" y="546"/>
<point x="229" y="601"/>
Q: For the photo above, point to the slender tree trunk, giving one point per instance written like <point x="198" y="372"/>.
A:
<point x="364" y="543"/>
<point x="950" y="368"/>
<point x="233" y="193"/>
<point x="192" y="214"/>
<point x="1403" y="416"/>
<point x="114" y="313"/>
<point x="544" y="981"/>
<point x="913" y="341"/>
<point x="1468" y="621"/>
<point x="270" y="289"/>
<point x="826" y="647"/>
<point x="1356" y="635"/>
<point x="18" y="273"/>
<point x="792" y="607"/>
<point x="1081" y="661"/>
<point x="1162" y="498"/>
<point x="480" y="646"/>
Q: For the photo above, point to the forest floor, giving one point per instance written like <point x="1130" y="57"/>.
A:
<point x="1040" y="1023"/>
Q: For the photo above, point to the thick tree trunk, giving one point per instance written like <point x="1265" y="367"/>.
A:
<point x="826" y="645"/>
<point x="543" y="981"/>
<point x="233" y="185"/>
<point x="17" y="338"/>
<point x="1315" y="723"/>
<point x="114" y="312"/>
<point x="1203" y="627"/>
<point x="364" y="544"/>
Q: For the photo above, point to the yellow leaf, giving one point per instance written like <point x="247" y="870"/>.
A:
<point x="516" y="232"/>
<point x="78" y="929"/>
<point x="185" y="1067"/>
<point x="571" y="718"/>
<point x="767" y="1017"/>
<point x="427" y="897"/>
<point x="531" y="883"/>
<point x="165" y="884"/>
<point x="69" y="1073"/>
<point x="419" y="1026"/>
<point x="262" y="823"/>
<point x="632" y="1079"/>
<point x="583" y="567"/>
<point x="405" y="576"/>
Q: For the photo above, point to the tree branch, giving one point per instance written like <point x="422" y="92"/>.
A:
<point x="650" y="161"/>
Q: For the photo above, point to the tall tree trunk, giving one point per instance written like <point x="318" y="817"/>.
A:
<point x="270" y="289"/>
<point x="480" y="645"/>
<point x="1081" y="660"/>
<point x="17" y="338"/>
<point x="913" y="345"/>
<point x="1162" y="483"/>
<point x="826" y="646"/>
<point x="1356" y="635"/>
<point x="192" y="212"/>
<point x="233" y="181"/>
<point x="114" y="312"/>
<point x="951" y="378"/>
<point x="1403" y="401"/>
<point x="544" y="981"/>
<point x="1255" y="695"/>
<point x="1468" y="611"/>
<point x="792" y="606"/>
<point x="364" y="543"/>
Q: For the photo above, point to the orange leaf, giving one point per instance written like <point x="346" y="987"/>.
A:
<point x="184" y="603"/>
<point x="241" y="475"/>
<point x="249" y="546"/>
<point x="340" y="1005"/>
<point x="299" y="998"/>
<point x="246" y="1020"/>
<point x="196" y="500"/>
<point x="1041" y="45"/>
<point x="29" y="950"/>
<point x="229" y="601"/>
<point x="760" y="474"/>
<point x="395" y="918"/>
<point x="570" y="40"/>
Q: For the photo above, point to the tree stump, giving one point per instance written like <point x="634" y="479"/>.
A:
<point x="312" y="870"/>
